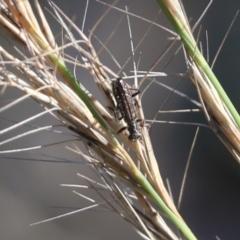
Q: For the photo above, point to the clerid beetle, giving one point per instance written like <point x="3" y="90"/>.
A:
<point x="125" y="107"/>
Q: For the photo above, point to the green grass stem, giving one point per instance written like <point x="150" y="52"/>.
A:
<point x="193" y="50"/>
<point x="179" y="223"/>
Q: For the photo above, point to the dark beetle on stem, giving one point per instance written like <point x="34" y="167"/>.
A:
<point x="125" y="108"/>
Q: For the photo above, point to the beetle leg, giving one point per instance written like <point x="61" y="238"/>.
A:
<point x="136" y="93"/>
<point x="122" y="129"/>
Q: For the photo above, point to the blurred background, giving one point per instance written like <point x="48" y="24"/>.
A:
<point x="30" y="181"/>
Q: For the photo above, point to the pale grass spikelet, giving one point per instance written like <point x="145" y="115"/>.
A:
<point x="78" y="110"/>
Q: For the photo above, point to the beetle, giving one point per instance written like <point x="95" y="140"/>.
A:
<point x="125" y="108"/>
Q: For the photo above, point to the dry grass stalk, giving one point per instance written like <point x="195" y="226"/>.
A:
<point x="42" y="70"/>
<point x="218" y="116"/>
